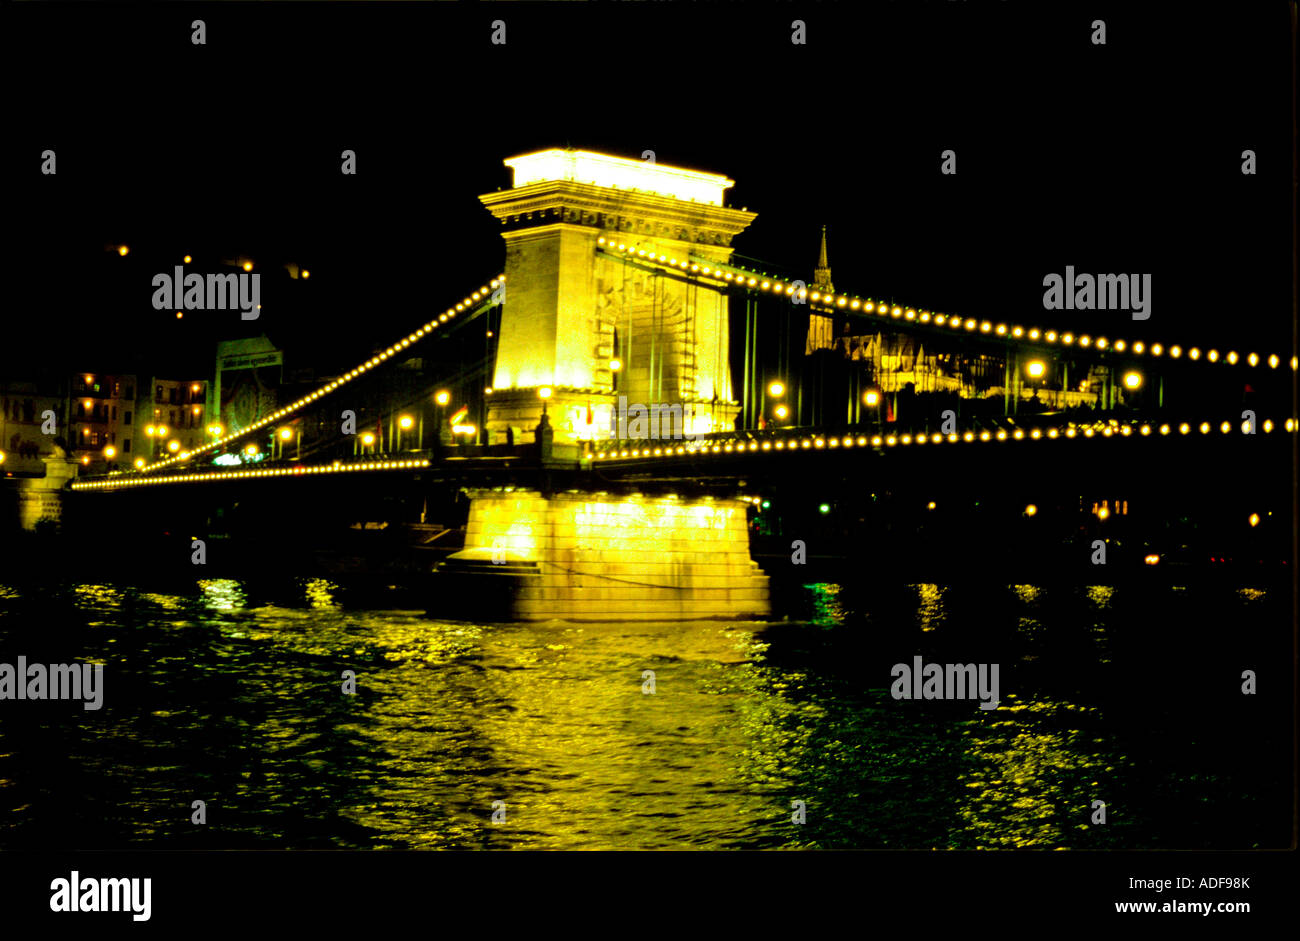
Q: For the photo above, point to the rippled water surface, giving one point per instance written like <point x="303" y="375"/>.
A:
<point x="230" y="692"/>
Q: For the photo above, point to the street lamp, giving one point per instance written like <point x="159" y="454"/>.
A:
<point x="1035" y="368"/>
<point x="1132" y="380"/>
<point x="544" y="393"/>
<point x="776" y="390"/>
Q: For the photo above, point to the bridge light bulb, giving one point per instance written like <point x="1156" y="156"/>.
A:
<point x="782" y="412"/>
<point x="1132" y="380"/>
<point x="286" y="434"/>
<point x="1036" y="368"/>
<point x="871" y="397"/>
<point x="405" y="422"/>
<point x="443" y="397"/>
<point x="776" y="390"/>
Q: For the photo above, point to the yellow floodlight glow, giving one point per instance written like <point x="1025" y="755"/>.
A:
<point x="1253" y="519"/>
<point x="871" y="397"/>
<point x="544" y="392"/>
<point x="405" y="422"/>
<point x="596" y="169"/>
<point x="443" y="397"/>
<point x="248" y="266"/>
<point x="1031" y="510"/>
<point x="173" y="445"/>
<point x="122" y="250"/>
<point x="615" y="365"/>
<point x="286" y="434"/>
<point x="782" y="412"/>
<point x="110" y="452"/>
<point x="1036" y="368"/>
<point x="1132" y="380"/>
<point x="776" y="389"/>
<point x="368" y="439"/>
<point x="251" y="449"/>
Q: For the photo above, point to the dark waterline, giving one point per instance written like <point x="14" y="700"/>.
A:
<point x="229" y="691"/>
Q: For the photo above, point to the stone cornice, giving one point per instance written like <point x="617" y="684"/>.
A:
<point x="627" y="211"/>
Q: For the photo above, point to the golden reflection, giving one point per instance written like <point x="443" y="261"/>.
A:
<point x="931" y="614"/>
<point x="1100" y="595"/>
<point x="1027" y="593"/>
<point x="319" y="593"/>
<point x="98" y="595"/>
<point x="1252" y="594"/>
<point x="1020" y="797"/>
<point x="222" y="594"/>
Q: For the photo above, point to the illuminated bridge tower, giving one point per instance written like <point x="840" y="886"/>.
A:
<point x="593" y="326"/>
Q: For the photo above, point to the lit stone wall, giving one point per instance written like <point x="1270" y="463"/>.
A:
<point x="567" y="302"/>
<point x="600" y="557"/>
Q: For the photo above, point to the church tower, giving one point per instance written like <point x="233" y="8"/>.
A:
<point x="821" y="330"/>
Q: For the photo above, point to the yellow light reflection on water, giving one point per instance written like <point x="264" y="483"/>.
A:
<point x="931" y="613"/>
<point x="1019" y="798"/>
<point x="222" y="594"/>
<point x="319" y="592"/>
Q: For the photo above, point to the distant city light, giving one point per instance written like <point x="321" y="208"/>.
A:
<point x="248" y="266"/>
<point x="1132" y="380"/>
<point x="931" y="505"/>
<point x="406" y="421"/>
<point x="1152" y="559"/>
<point x="187" y="259"/>
<point x="367" y="439"/>
<point x="306" y="273"/>
<point x="286" y="434"/>
<point x="443" y="397"/>
<point x="110" y="452"/>
<point x="776" y="390"/>
<point x="544" y="392"/>
<point x="1036" y="368"/>
<point x="1031" y="510"/>
<point x="871" y="397"/>
<point x="782" y="411"/>
<point x="139" y="463"/>
<point x="122" y="249"/>
<point x="251" y="449"/>
<point x="824" y="508"/>
<point x="173" y="445"/>
<point x="1254" y="519"/>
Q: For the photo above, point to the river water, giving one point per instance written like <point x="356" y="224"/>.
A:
<point x="230" y="692"/>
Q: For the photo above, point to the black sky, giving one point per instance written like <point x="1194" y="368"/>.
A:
<point x="1124" y="157"/>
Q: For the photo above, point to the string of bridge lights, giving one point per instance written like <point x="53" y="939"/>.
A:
<point x="1110" y="429"/>
<point x="303" y="470"/>
<point x="280" y="414"/>
<point x="762" y="282"/>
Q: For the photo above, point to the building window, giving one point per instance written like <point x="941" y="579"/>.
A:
<point x="126" y="418"/>
<point x="130" y="393"/>
<point x="126" y="445"/>
<point x="159" y="396"/>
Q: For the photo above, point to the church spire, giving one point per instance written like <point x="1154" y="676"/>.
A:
<point x="822" y="276"/>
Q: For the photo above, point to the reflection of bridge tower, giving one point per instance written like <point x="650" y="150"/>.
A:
<point x="572" y="310"/>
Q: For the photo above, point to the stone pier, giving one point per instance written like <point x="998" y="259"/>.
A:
<point x="41" y="498"/>
<point x="602" y="557"/>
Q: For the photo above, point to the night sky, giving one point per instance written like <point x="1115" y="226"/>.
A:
<point x="1120" y="158"/>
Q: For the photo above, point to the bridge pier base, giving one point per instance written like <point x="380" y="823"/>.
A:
<point x="602" y="557"/>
